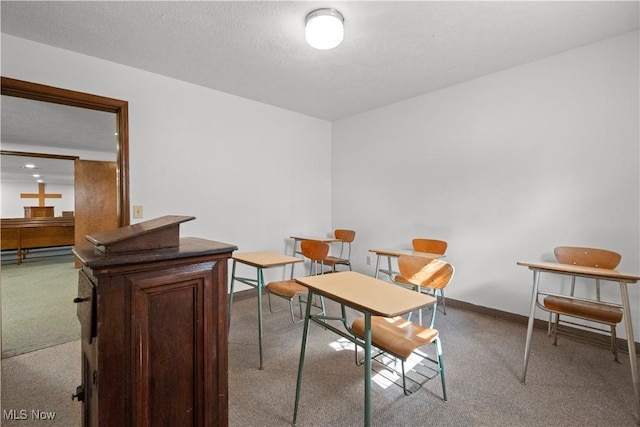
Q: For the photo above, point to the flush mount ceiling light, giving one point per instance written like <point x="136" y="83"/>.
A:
<point x="324" y="28"/>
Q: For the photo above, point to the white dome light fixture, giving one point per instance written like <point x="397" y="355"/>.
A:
<point x="324" y="28"/>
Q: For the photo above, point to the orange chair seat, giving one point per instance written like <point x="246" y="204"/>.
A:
<point x="332" y="260"/>
<point x="586" y="309"/>
<point x="286" y="288"/>
<point x="397" y="335"/>
<point x="400" y="279"/>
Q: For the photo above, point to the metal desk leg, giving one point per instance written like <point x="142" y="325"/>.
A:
<point x="260" y="285"/>
<point x="532" y="309"/>
<point x="233" y="278"/>
<point x="293" y="253"/>
<point x="377" y="266"/>
<point x="417" y="289"/>
<point x="305" y="333"/>
<point x="389" y="267"/>
<point x="367" y="369"/>
<point x="631" y="344"/>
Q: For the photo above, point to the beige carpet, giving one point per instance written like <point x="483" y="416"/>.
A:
<point x="37" y="388"/>
<point x="572" y="384"/>
<point x="37" y="303"/>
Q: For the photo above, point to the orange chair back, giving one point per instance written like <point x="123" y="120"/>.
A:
<point x="587" y="257"/>
<point x="430" y="245"/>
<point x="430" y="273"/>
<point x="314" y="250"/>
<point x="346" y="236"/>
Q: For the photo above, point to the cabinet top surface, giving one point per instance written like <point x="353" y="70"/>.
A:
<point x="188" y="247"/>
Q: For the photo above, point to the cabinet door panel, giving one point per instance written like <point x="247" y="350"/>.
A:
<point x="172" y="343"/>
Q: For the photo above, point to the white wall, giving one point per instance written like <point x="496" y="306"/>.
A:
<point x="13" y="206"/>
<point x="504" y="168"/>
<point x="244" y="169"/>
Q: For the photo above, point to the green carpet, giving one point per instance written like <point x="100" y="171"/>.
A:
<point x="37" y="304"/>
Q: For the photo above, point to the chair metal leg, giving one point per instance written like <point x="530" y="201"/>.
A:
<point x="299" y="307"/>
<point x="434" y="309"/>
<point x="441" y="366"/>
<point x="293" y="317"/>
<point x="299" y="304"/>
<point x="614" y="343"/>
<point x="555" y="330"/>
<point x="410" y="385"/>
<point x="444" y="306"/>
<point x="440" y="371"/>
<point x="290" y="302"/>
<point x="271" y="310"/>
<point x="404" y="381"/>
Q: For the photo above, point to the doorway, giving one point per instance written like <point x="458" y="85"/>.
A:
<point x="27" y="381"/>
<point x="49" y="94"/>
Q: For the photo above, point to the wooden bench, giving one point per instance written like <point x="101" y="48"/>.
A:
<point x="22" y="234"/>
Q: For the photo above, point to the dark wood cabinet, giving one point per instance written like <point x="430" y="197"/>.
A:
<point x="154" y="332"/>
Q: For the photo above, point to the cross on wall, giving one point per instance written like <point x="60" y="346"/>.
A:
<point x="40" y="195"/>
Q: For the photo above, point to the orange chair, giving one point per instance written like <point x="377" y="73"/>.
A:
<point x="346" y="237"/>
<point x="291" y="290"/>
<point x="596" y="311"/>
<point x="402" y="338"/>
<point x="438" y="247"/>
<point x="429" y="245"/>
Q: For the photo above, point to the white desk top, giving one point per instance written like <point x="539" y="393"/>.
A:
<point x="366" y="293"/>
<point x="578" y="270"/>
<point x="398" y="252"/>
<point x="319" y="239"/>
<point x="265" y="259"/>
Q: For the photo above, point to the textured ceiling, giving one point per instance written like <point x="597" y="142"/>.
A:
<point x="51" y="171"/>
<point x="392" y="50"/>
<point x="28" y="122"/>
<point x="31" y="124"/>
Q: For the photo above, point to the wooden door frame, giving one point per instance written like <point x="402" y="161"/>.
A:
<point x="39" y="92"/>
